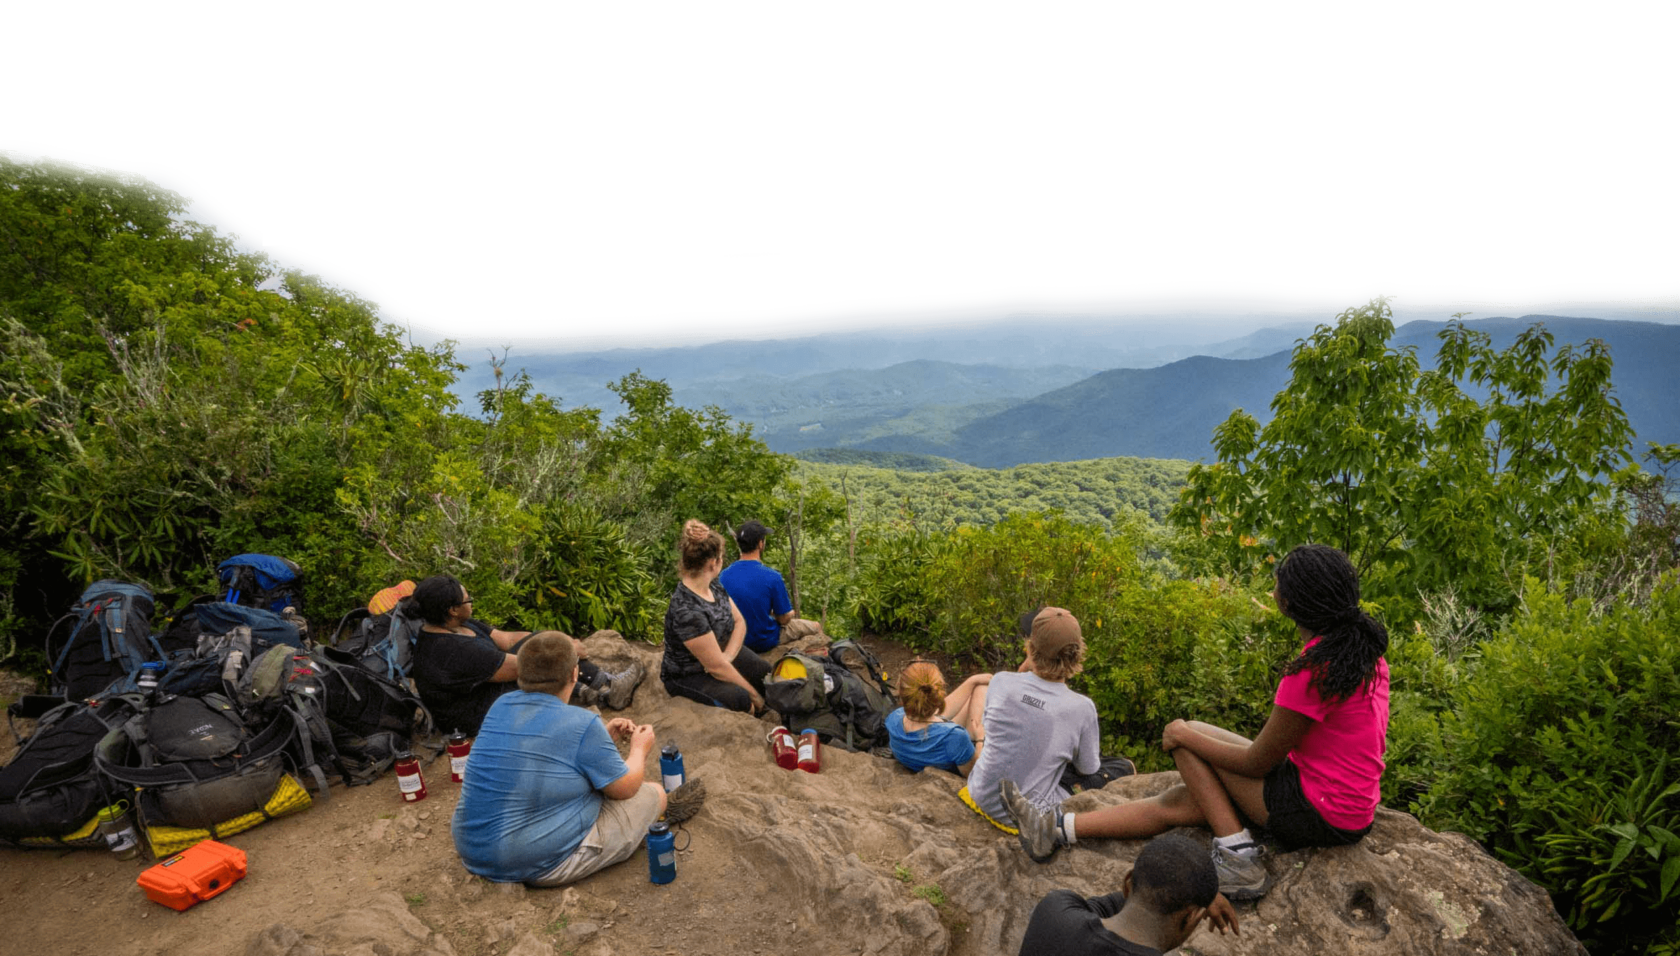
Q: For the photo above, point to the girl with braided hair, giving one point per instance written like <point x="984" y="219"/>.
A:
<point x="1313" y="775"/>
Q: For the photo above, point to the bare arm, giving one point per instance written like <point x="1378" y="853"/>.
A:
<point x="641" y="744"/>
<point x="508" y="639"/>
<point x="705" y="650"/>
<point x="737" y="637"/>
<point x="508" y="671"/>
<point x="1284" y="729"/>
<point x="784" y="618"/>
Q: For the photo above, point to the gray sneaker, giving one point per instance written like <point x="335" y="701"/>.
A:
<point x="622" y="690"/>
<point x="1240" y="877"/>
<point x="1037" y="825"/>
<point x="585" y="696"/>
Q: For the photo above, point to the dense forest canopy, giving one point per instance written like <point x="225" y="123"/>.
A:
<point x="167" y="400"/>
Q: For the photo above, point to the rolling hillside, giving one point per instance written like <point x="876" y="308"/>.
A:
<point x="1171" y="411"/>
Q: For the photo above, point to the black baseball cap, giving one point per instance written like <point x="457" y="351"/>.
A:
<point x="750" y="535"/>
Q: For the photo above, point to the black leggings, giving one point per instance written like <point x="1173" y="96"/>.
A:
<point x="707" y="689"/>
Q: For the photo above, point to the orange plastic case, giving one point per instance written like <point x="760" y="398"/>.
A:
<point x="194" y="875"/>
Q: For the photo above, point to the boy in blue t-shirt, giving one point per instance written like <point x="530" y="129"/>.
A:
<point x="546" y="798"/>
<point x="758" y="591"/>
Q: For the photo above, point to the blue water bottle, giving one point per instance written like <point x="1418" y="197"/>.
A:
<point x="150" y="674"/>
<point x="671" y="768"/>
<point x="662" y="853"/>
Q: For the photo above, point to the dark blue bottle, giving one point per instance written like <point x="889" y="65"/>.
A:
<point x="662" y="853"/>
<point x="671" y="768"/>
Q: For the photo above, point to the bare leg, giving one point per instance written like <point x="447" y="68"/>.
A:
<point x="970" y="720"/>
<point x="1218" y="793"/>
<point x="961" y="700"/>
<point x="1141" y="818"/>
<point x="1217" y="733"/>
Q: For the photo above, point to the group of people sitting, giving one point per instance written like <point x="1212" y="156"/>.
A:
<point x="548" y="799"/>
<point x="1311" y="778"/>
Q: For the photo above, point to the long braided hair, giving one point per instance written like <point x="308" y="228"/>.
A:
<point x="1320" y="592"/>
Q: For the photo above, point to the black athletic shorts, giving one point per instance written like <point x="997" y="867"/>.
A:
<point x="1292" y="820"/>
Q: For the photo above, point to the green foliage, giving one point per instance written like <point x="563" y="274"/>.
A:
<point x="890" y="460"/>
<point x="1556" y="752"/>
<point x="588" y="577"/>
<point x="167" y="401"/>
<point x="1423" y="484"/>
<point x="1105" y="492"/>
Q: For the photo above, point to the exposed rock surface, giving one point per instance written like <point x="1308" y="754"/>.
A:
<point x="862" y="858"/>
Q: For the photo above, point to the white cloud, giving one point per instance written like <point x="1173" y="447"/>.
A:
<point x="1205" y="299"/>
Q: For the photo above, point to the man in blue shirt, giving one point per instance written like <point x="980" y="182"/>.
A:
<point x="546" y="798"/>
<point x="759" y="592"/>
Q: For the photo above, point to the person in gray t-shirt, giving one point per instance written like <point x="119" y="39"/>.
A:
<point x="1035" y="724"/>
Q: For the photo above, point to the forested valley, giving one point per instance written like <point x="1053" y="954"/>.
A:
<point x="168" y="400"/>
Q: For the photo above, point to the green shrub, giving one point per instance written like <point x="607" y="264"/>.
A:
<point x="1555" y="754"/>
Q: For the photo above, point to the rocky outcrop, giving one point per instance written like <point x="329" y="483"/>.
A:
<point x="868" y="858"/>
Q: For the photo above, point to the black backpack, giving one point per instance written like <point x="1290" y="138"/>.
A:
<point x="381" y="643"/>
<point x="845" y="709"/>
<point x="110" y="637"/>
<point x="50" y="792"/>
<point x="862" y="698"/>
<point x="197" y="763"/>
<point x="262" y="580"/>
<point x="372" y="718"/>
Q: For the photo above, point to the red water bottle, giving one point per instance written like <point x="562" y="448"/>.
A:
<point x="409" y="781"/>
<point x="458" y="746"/>
<point x="785" y="748"/>
<point x="810" y="751"/>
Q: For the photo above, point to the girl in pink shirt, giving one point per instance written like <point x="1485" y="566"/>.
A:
<point x="1312" y="777"/>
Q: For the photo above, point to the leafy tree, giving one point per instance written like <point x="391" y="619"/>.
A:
<point x="1427" y="479"/>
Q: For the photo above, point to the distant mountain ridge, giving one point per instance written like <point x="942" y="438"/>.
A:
<point x="1171" y="411"/>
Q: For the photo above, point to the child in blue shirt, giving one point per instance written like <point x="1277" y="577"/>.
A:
<point x="933" y="730"/>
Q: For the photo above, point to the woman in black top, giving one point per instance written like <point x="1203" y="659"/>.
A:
<point x="705" y="654"/>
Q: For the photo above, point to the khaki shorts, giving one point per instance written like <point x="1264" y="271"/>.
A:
<point x="618" y="831"/>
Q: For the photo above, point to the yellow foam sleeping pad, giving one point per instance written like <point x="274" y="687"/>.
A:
<point x="965" y="798"/>
<point x="289" y="797"/>
<point x="87" y="835"/>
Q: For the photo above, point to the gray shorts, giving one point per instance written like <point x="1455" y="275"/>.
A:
<point x="618" y="831"/>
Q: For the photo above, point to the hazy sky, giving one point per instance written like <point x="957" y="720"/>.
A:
<point x="1242" y="303"/>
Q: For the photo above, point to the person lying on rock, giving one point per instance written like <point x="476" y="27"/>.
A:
<point x="935" y="730"/>
<point x="461" y="664"/>
<point x="1034" y="725"/>
<point x="1163" y="899"/>
<point x="546" y="798"/>
<point x="706" y="659"/>
<point x="1312" y="777"/>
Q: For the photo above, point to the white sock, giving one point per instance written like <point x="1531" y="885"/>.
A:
<point x="1238" y="839"/>
<point x="1064" y="826"/>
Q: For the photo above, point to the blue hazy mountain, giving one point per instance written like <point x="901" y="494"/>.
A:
<point x="1171" y="411"/>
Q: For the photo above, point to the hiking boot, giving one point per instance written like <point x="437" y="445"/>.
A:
<point x="685" y="801"/>
<point x="1037" y="825"/>
<point x="1240" y="877"/>
<point x="585" y="696"/>
<point x="621" y="690"/>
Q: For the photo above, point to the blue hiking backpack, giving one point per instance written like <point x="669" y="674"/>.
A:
<point x="262" y="580"/>
<point x="110" y="637"/>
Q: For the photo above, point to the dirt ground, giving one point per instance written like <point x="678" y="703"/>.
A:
<point x="365" y="840"/>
